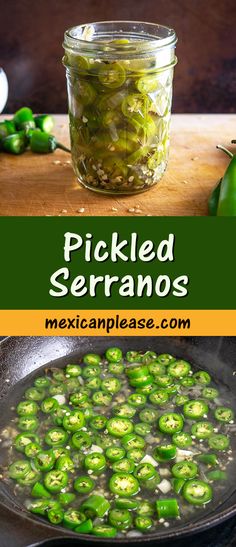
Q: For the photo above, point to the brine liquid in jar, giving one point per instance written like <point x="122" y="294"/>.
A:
<point x="119" y="77"/>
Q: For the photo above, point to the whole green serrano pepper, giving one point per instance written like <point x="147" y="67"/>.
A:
<point x="213" y="199"/>
<point x="227" y="196"/>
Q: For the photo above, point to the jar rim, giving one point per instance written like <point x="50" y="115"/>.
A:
<point x="146" y="37"/>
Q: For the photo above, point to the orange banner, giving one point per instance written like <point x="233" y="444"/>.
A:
<point x="118" y="322"/>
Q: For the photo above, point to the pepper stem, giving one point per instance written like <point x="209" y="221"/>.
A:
<point x="225" y="150"/>
<point x="62" y="147"/>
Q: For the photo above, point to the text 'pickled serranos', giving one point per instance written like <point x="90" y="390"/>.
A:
<point x="120" y="91"/>
<point x="114" y="446"/>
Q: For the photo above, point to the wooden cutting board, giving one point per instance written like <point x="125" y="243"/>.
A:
<point x="45" y="185"/>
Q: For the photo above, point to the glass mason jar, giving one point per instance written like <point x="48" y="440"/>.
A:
<point x="119" y="77"/>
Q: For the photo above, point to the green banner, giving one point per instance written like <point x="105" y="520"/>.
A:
<point x="117" y="263"/>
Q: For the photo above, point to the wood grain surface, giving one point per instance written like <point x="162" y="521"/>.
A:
<point x="34" y="185"/>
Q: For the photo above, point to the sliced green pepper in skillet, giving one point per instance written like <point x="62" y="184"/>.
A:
<point x="111" y="444"/>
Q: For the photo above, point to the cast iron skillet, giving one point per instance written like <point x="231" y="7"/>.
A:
<point x="20" y="356"/>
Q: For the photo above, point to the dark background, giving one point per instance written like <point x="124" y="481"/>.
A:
<point x="32" y="32"/>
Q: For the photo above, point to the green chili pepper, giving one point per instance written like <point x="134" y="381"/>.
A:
<point x="32" y="449"/>
<point x="28" y="423"/>
<point x="180" y="400"/>
<point x="124" y="484"/>
<point x="90" y="371"/>
<point x="126" y="503"/>
<point x="219" y="442"/>
<point x="135" y="454"/>
<point x="157" y="369"/>
<point x="29" y="478"/>
<point x="195" y="409"/>
<point x="24" y="119"/>
<point x="125" y="465"/>
<point x="113" y="355"/>
<point x="202" y="377"/>
<point x="26" y="408"/>
<point x="143" y="523"/>
<point x="98" y="422"/>
<point x="125" y="410"/>
<point x="133" y="356"/>
<point x="95" y="506"/>
<point x="145" y="471"/>
<point x="210" y="393"/>
<point x="81" y="440"/>
<point x="73" y="518"/>
<point x="202" y="430"/>
<point x="55" y="516"/>
<point x="112" y="385"/>
<point x="101" y="398"/>
<point x="137" y="371"/>
<point x="65" y="463"/>
<point x="74" y="421"/>
<point x="73" y="370"/>
<point x="182" y="439"/>
<point x="56" y="436"/>
<point x="118" y="427"/>
<point x="165" y="359"/>
<point x="187" y="382"/>
<point x="159" y="397"/>
<point x="164" y="381"/>
<point x="18" y="469"/>
<point x="227" y="197"/>
<point x="49" y="405"/>
<point x="6" y="128"/>
<point x="148" y="415"/>
<point x="131" y="440"/>
<point x="115" y="453"/>
<point x="96" y="462"/>
<point x="170" y="423"/>
<point x="66" y="498"/>
<point x="145" y="508"/>
<point x="85" y="527"/>
<point x="142" y="429"/>
<point x="167" y="508"/>
<point x="43" y="143"/>
<point x="165" y="452"/>
<point x="121" y="519"/>
<point x="39" y="491"/>
<point x="224" y="414"/>
<point x="208" y="459"/>
<point x="116" y="368"/>
<point x="44" y="122"/>
<point x="214" y="199"/>
<point x="84" y="484"/>
<point x="104" y="530"/>
<point x="42" y="382"/>
<point x="14" y="144"/>
<point x="179" y="369"/>
<point x="178" y="485"/>
<point x="35" y="394"/>
<point x="184" y="470"/>
<point x="197" y="492"/>
<point x="38" y="507"/>
<point x="55" y="480"/>
<point x="217" y="475"/>
<point x="92" y="359"/>
<point x="21" y="440"/>
<point x="44" y="461"/>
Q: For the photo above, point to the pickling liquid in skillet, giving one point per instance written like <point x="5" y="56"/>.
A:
<point x="115" y="383"/>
